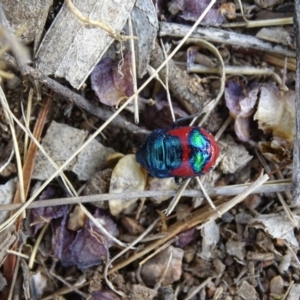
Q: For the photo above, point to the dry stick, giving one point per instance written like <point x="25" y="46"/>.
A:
<point x="133" y="72"/>
<point x="296" y="157"/>
<point x="163" y="276"/>
<point x="167" y="82"/>
<point x="36" y="245"/>
<point x="27" y="120"/>
<point x="57" y="172"/>
<point x="65" y="282"/>
<point x="26" y="172"/>
<point x="260" y="23"/>
<point x="226" y="37"/>
<point x="194" y="219"/>
<point x="138" y="239"/>
<point x="278" y="60"/>
<point x="164" y="246"/>
<point x="236" y="70"/>
<point x="233" y="202"/>
<point x="29" y="162"/>
<point x="80" y="101"/>
<point x="186" y="89"/>
<point x="288" y="290"/>
<point x="10" y="121"/>
<point x="287" y="210"/>
<point x="231" y="190"/>
<point x="198" y="288"/>
<point x="26" y="129"/>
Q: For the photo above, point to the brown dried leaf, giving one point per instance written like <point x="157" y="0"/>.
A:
<point x="234" y="156"/>
<point x="241" y="105"/>
<point x="276" y="112"/>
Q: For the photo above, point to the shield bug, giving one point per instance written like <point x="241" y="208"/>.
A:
<point x="182" y="152"/>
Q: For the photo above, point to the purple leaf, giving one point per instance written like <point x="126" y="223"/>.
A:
<point x="103" y="84"/>
<point x="62" y="238"/>
<point x="46" y="214"/>
<point x="112" y="81"/>
<point x="193" y="9"/>
<point x="186" y="237"/>
<point x="104" y="294"/>
<point x="123" y="76"/>
<point x="241" y="105"/>
<point x="89" y="248"/>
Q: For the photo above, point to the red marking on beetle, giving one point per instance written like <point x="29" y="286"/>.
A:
<point x="214" y="150"/>
<point x="185" y="169"/>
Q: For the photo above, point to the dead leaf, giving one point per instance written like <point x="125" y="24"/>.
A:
<point x="7" y="192"/>
<point x="233" y="156"/>
<point x="276" y="112"/>
<point x="91" y="158"/>
<point x="277" y="226"/>
<point x="145" y="23"/>
<point x="70" y="49"/>
<point x="30" y="16"/>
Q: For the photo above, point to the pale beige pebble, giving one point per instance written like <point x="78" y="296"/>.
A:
<point x="236" y="249"/>
<point x="294" y="292"/>
<point x="138" y="292"/>
<point x="277" y="285"/>
<point x="153" y="269"/>
<point x="247" y="291"/>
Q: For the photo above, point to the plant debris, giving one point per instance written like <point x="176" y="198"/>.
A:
<point x="80" y="218"/>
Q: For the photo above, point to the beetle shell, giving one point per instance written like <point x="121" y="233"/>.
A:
<point x="181" y="152"/>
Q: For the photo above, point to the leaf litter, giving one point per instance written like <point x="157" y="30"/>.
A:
<point x="236" y="240"/>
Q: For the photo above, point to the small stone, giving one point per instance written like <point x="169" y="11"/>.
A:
<point x="277" y="285"/>
<point x="243" y="218"/>
<point x="227" y="217"/>
<point x="219" y="266"/>
<point x="132" y="226"/>
<point x="252" y="201"/>
<point x="294" y="292"/>
<point x="247" y="291"/>
<point x="236" y="249"/>
<point x="189" y="254"/>
<point x="141" y="292"/>
<point x="154" y="268"/>
<point x="165" y="293"/>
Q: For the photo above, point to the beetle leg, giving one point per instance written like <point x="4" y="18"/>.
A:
<point x="175" y="124"/>
<point x="179" y="180"/>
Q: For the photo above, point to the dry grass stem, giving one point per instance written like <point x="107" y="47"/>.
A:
<point x="137" y="240"/>
<point x="260" y="23"/>
<point x="237" y="70"/>
<point x="198" y="288"/>
<point x="133" y="71"/>
<point x="199" y="216"/>
<point x="101" y="24"/>
<point x="166" y="85"/>
<point x="231" y="190"/>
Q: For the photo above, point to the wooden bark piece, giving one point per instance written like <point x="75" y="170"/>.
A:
<point x="296" y="159"/>
<point x="31" y="16"/>
<point x="70" y="48"/>
<point x="145" y="27"/>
